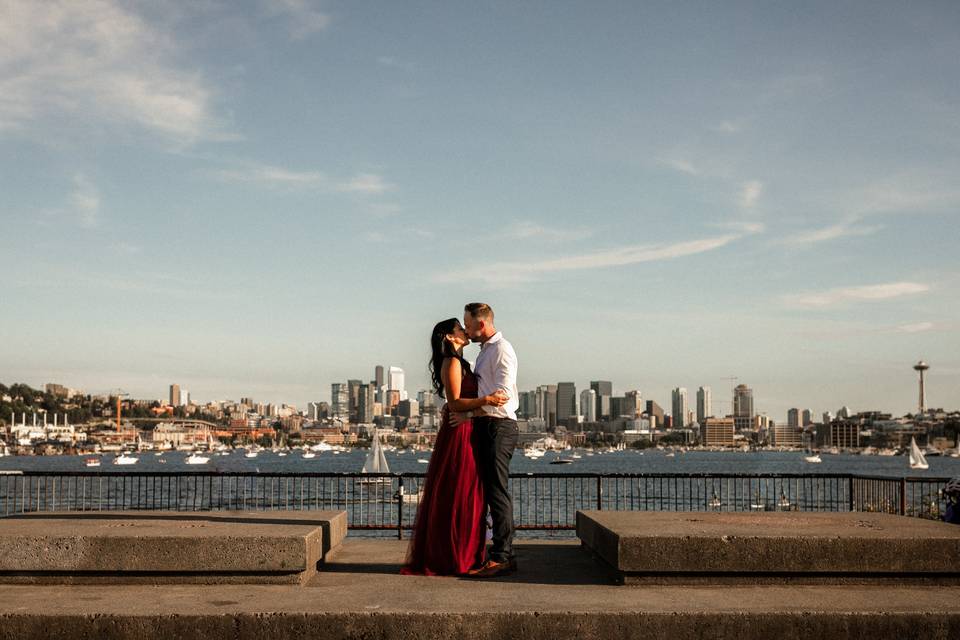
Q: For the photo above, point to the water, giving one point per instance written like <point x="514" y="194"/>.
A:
<point x="649" y="461"/>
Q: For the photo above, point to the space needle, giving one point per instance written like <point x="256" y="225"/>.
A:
<point x="921" y="367"/>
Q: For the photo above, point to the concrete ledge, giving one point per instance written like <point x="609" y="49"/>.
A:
<point x="840" y="546"/>
<point x="167" y="547"/>
<point x="559" y="592"/>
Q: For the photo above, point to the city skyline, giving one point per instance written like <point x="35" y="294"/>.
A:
<point x="261" y="197"/>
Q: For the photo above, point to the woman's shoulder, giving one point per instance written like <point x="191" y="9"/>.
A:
<point x="451" y="362"/>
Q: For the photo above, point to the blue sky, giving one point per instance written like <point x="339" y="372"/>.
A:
<point x="262" y="198"/>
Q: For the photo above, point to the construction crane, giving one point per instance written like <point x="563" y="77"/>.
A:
<point x="733" y="380"/>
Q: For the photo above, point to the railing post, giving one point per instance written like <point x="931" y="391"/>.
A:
<point x="400" y="510"/>
<point x="903" y="496"/>
<point x="850" y="497"/>
<point x="599" y="493"/>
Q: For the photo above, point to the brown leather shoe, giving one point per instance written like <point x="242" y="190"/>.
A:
<point x="492" y="569"/>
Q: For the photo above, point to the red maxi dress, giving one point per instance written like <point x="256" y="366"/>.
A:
<point x="449" y="533"/>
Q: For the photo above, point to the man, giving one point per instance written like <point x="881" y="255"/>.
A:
<point x="495" y="433"/>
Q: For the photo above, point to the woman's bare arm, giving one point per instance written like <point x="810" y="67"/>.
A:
<point x="452" y="375"/>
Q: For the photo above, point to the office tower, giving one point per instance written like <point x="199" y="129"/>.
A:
<point x="633" y="404"/>
<point x="618" y="406"/>
<point x="174" y="395"/>
<point x="566" y="401"/>
<point x="353" y="399"/>
<point x="654" y="410"/>
<point x="743" y="407"/>
<point x="378" y="376"/>
<point x="547" y="404"/>
<point x="365" y="404"/>
<point x="313" y="411"/>
<point x="604" y="391"/>
<point x="395" y="382"/>
<point x="704" y="404"/>
<point x="827" y="417"/>
<point x="793" y="418"/>
<point x="844" y="412"/>
<point x="806" y="418"/>
<point x="339" y="401"/>
<point x="528" y="404"/>
<point x="679" y="406"/>
<point x="184" y="397"/>
<point x="588" y="405"/>
<point x="408" y="409"/>
<point x="717" y="432"/>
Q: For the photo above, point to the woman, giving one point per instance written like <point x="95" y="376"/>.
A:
<point x="450" y="530"/>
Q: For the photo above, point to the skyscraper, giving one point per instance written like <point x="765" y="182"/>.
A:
<point x="704" y="404"/>
<point x="547" y="404"/>
<point x="378" y="376"/>
<point x="793" y="418"/>
<point x="806" y="418"/>
<point x="365" y="404"/>
<point x="566" y="401"/>
<point x="679" y="397"/>
<point x="743" y="407"/>
<point x="339" y="401"/>
<point x="588" y="405"/>
<point x="353" y="399"/>
<point x="174" y="395"/>
<point x="395" y="381"/>
<point x="604" y="390"/>
<point x="633" y="404"/>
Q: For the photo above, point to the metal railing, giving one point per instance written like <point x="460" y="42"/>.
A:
<point x="542" y="501"/>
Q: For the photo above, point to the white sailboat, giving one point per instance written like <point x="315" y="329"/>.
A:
<point x="196" y="458"/>
<point x="917" y="461"/>
<point x="125" y="459"/>
<point x="376" y="462"/>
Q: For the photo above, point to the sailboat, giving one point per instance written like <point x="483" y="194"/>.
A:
<point x="376" y="462"/>
<point x="917" y="461"/>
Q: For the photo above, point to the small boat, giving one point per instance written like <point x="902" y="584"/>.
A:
<point x="917" y="460"/>
<point x="423" y="460"/>
<point x="123" y="458"/>
<point x="93" y="462"/>
<point x="670" y="455"/>
<point x="283" y="453"/>
<point x="814" y="459"/>
<point x="307" y="455"/>
<point x="196" y="458"/>
<point x="252" y="453"/>
<point x="562" y="461"/>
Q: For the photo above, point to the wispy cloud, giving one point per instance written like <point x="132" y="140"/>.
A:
<point x="85" y="201"/>
<point x="728" y="127"/>
<point x="917" y="327"/>
<point x="528" y="230"/>
<point x="750" y="192"/>
<point x="279" y="177"/>
<point x="832" y="232"/>
<point x="847" y="295"/>
<point x="502" y="274"/>
<point x="679" y="164"/>
<point x="303" y="16"/>
<point x="97" y="59"/>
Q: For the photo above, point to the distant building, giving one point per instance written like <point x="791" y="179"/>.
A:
<point x="588" y="405"/>
<point x="365" y="401"/>
<point x="843" y="434"/>
<point x="353" y="400"/>
<point x="395" y="382"/>
<point x="793" y="418"/>
<point x="378" y="376"/>
<point x="654" y="410"/>
<point x="784" y="435"/>
<point x="547" y="404"/>
<point x="339" y="401"/>
<point x="704" y="404"/>
<point x="604" y="391"/>
<point x="843" y="413"/>
<point x="633" y="404"/>
<point x="743" y="408"/>
<point x="566" y="401"/>
<point x="408" y="409"/>
<point x="679" y="405"/>
<point x="174" y="395"/>
<point x="718" y="432"/>
<point x="806" y="418"/>
<point x="528" y="404"/>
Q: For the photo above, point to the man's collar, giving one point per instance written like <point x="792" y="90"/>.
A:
<point x="494" y="338"/>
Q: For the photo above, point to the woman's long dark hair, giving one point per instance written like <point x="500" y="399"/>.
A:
<point x="441" y="348"/>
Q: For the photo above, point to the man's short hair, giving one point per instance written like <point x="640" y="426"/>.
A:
<point x="479" y="311"/>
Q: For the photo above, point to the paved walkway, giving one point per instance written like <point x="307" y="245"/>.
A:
<point x="559" y="592"/>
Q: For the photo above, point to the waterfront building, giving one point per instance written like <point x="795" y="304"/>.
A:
<point x="743" y="413"/>
<point x="841" y="433"/>
<point x="679" y="406"/>
<point x="566" y="401"/>
<point x="785" y="435"/>
<point x="718" y="432"/>
<point x="174" y="395"/>
<point x="604" y="391"/>
<point x="588" y="405"/>
<point x="704" y="404"/>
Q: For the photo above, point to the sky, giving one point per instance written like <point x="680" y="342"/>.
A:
<point x="261" y="198"/>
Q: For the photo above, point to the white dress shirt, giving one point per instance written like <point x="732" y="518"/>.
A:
<point x="497" y="369"/>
